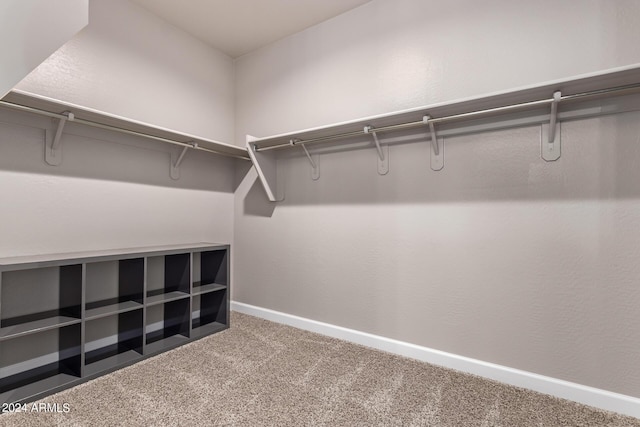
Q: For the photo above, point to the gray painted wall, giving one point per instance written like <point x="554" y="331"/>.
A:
<point x="112" y="190"/>
<point x="130" y="63"/>
<point x="31" y="30"/>
<point x="501" y="256"/>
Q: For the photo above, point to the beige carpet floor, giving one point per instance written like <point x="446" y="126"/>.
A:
<point x="260" y="373"/>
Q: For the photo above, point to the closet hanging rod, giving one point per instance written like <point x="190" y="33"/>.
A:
<point x="115" y="128"/>
<point x="615" y="91"/>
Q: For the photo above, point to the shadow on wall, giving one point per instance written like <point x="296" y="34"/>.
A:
<point x="105" y="155"/>
<point x="256" y="202"/>
<point x="599" y="161"/>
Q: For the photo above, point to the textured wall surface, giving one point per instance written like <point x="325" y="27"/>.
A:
<point x="391" y="55"/>
<point x="31" y="30"/>
<point x="111" y="191"/>
<point x="131" y="63"/>
<point x="501" y="256"/>
<point x="114" y="191"/>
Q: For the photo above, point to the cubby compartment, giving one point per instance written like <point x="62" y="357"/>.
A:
<point x="167" y="278"/>
<point x="41" y="361"/>
<point x="210" y="271"/>
<point x="113" y="341"/>
<point x="209" y="312"/>
<point x="114" y="287"/>
<point x="167" y="325"/>
<point x="38" y="299"/>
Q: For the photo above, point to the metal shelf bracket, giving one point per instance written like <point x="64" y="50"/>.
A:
<point x="383" y="151"/>
<point x="53" y="143"/>
<point x="550" y="149"/>
<point x="313" y="159"/>
<point x="437" y="146"/>
<point x="175" y="162"/>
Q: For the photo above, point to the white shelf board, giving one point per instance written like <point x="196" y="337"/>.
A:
<point x="265" y="161"/>
<point x="51" y="105"/>
<point x="583" y="83"/>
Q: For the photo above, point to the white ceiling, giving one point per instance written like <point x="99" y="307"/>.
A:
<point x="239" y="26"/>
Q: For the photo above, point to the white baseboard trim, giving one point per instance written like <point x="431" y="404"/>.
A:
<point x="591" y="396"/>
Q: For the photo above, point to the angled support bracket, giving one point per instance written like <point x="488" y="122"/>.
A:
<point x="176" y="161"/>
<point x="313" y="159"/>
<point x="437" y="146"/>
<point x="53" y="143"/>
<point x="266" y="164"/>
<point x="550" y="147"/>
<point x="383" y="151"/>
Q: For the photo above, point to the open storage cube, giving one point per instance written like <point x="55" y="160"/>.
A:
<point x="167" y="325"/>
<point x="210" y="270"/>
<point x="113" y="341"/>
<point x="39" y="299"/>
<point x="40" y="361"/>
<point x="209" y="312"/>
<point x="167" y="278"/>
<point x="114" y="286"/>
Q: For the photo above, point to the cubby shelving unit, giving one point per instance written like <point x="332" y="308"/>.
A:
<point x="67" y="318"/>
